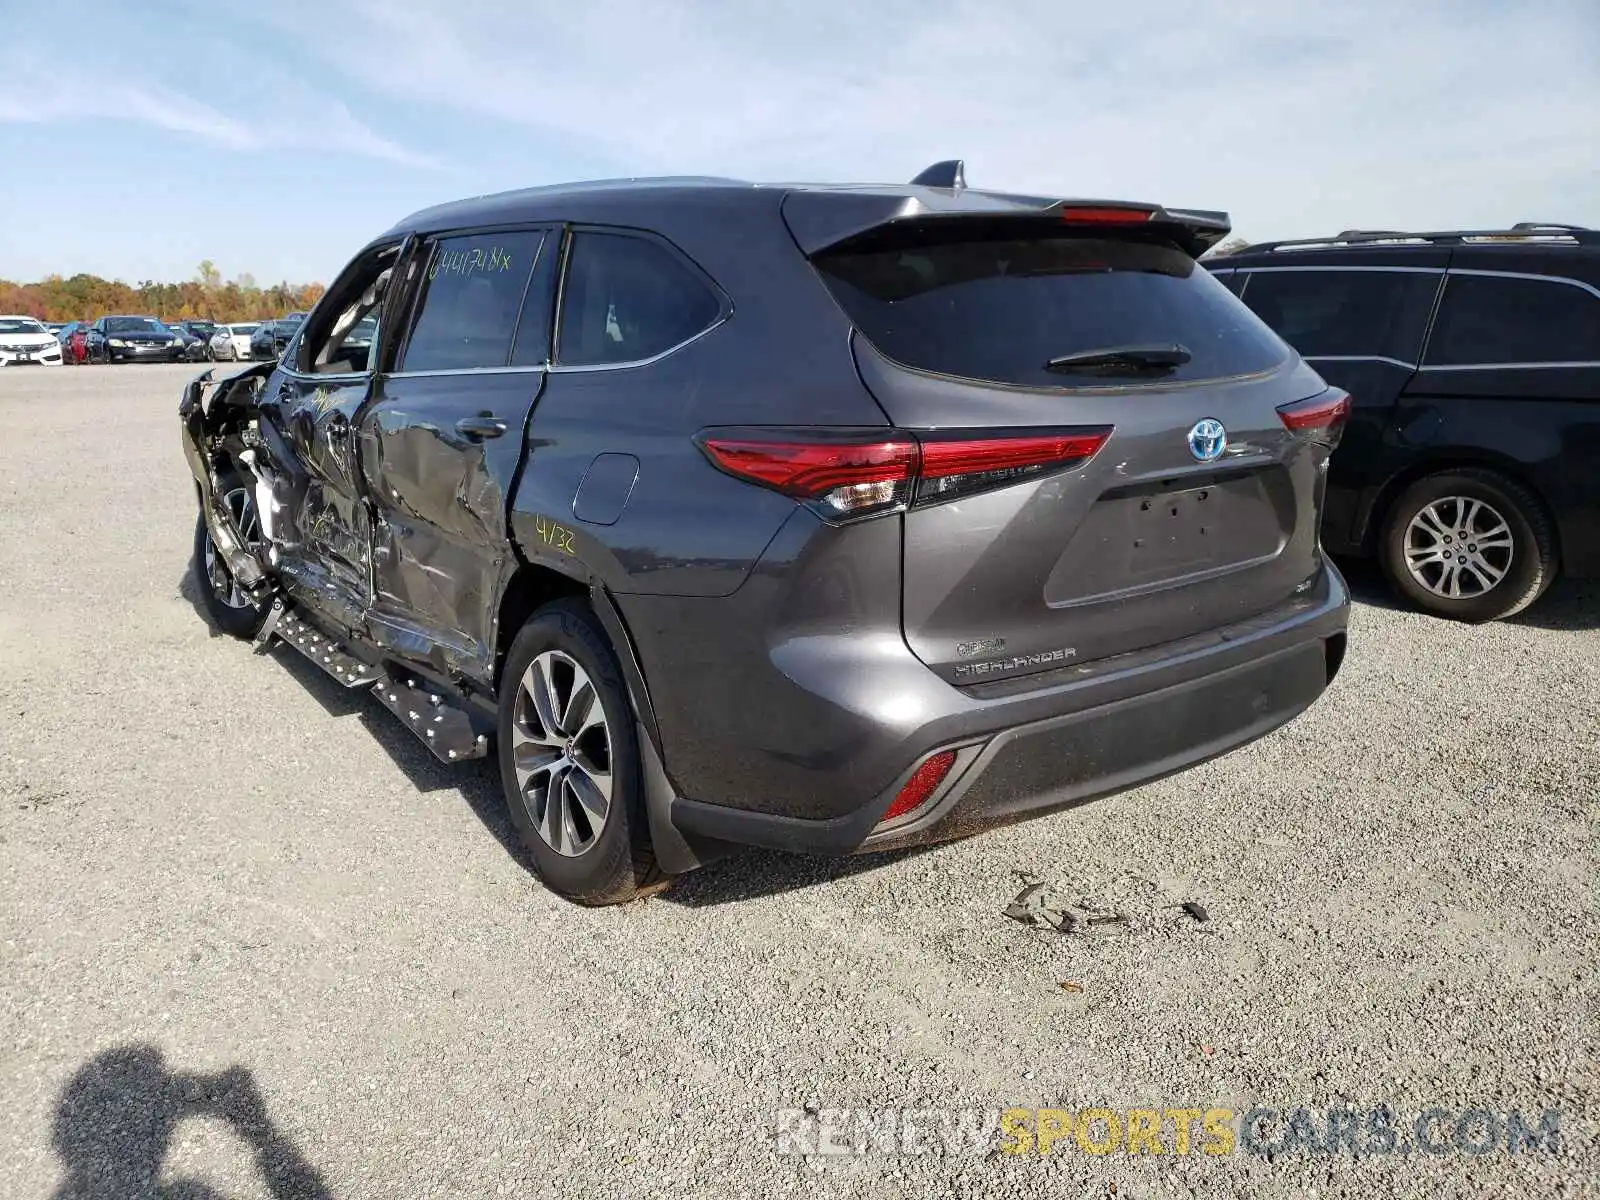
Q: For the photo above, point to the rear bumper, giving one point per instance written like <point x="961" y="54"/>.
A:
<point x="1077" y="737"/>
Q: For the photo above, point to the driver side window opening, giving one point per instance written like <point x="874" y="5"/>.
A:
<point x="344" y="339"/>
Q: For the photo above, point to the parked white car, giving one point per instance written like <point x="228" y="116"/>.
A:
<point x="232" y="342"/>
<point x="24" y="341"/>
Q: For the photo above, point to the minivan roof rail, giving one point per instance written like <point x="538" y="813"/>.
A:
<point x="1533" y="231"/>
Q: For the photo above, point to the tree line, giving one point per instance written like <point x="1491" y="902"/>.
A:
<point x="206" y="296"/>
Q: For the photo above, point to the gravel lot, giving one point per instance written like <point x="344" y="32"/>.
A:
<point x="252" y="937"/>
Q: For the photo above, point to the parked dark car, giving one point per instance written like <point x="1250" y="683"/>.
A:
<point x="1471" y="464"/>
<point x="821" y="518"/>
<point x="134" y="339"/>
<point x="197" y="338"/>
<point x="269" y="341"/>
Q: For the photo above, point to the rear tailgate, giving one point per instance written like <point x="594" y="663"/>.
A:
<point x="1150" y="540"/>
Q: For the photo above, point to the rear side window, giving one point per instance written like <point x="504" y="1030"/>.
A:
<point x="999" y="308"/>
<point x="628" y="298"/>
<point x="1488" y="319"/>
<point x="473" y="289"/>
<point x="1346" y="314"/>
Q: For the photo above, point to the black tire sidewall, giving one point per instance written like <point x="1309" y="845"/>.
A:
<point x="1529" y="571"/>
<point x="605" y="872"/>
<point x="242" y="623"/>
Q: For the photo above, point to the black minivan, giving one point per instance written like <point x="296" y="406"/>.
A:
<point x="1470" y="465"/>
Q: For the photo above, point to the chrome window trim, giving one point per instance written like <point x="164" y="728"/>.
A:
<point x="574" y="368"/>
<point x="1396" y="362"/>
<point x="442" y="371"/>
<point x="1577" y="283"/>
<point x="1358" y="267"/>
<point x="1528" y="366"/>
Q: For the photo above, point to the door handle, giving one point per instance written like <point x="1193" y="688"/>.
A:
<point x="481" y="427"/>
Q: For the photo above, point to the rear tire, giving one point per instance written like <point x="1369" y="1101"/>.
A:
<point x="569" y="761"/>
<point x="1468" y="544"/>
<point x="227" y="607"/>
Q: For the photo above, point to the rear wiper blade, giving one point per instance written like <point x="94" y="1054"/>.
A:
<point x="1140" y="358"/>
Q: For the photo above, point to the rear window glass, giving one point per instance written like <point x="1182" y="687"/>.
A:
<point x="1000" y="308"/>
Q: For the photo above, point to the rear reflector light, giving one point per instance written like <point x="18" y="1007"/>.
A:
<point x="921" y="784"/>
<point x="842" y="475"/>
<point x="1086" y="215"/>
<point x="1322" y="417"/>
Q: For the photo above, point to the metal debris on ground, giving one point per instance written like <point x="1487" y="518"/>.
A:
<point x="1041" y="906"/>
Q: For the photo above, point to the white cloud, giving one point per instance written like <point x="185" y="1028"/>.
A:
<point x="37" y="87"/>
<point x="1296" y="116"/>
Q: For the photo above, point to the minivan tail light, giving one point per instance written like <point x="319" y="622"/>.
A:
<point x="1320" y="418"/>
<point x="846" y="474"/>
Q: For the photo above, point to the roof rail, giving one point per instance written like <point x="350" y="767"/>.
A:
<point x="951" y="173"/>
<point x="1522" y="231"/>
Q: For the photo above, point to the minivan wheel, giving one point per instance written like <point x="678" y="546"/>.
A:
<point x="1469" y="544"/>
<point x="569" y="760"/>
<point x="225" y="603"/>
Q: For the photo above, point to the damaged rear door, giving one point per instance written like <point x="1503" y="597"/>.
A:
<point x="444" y="436"/>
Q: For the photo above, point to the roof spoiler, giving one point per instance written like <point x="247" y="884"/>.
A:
<point x="821" y="218"/>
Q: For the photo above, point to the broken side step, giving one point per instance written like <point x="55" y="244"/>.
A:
<point x="439" y="722"/>
<point x="325" y="651"/>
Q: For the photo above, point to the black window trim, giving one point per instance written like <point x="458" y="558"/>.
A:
<point x="1427" y="342"/>
<point x="724" y="301"/>
<point x="550" y="229"/>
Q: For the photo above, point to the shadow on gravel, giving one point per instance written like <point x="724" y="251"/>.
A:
<point x="1569" y="604"/>
<point x="118" y="1114"/>
<point x="753" y="874"/>
<point x="190" y="591"/>
<point x="476" y="781"/>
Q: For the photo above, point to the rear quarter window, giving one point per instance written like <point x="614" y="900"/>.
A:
<point x="1489" y="320"/>
<point x="998" y="308"/>
<point x="1332" y="313"/>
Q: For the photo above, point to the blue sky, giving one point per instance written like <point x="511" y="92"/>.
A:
<point x="276" y="136"/>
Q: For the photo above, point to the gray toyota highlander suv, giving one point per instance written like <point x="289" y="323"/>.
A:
<point x="825" y="518"/>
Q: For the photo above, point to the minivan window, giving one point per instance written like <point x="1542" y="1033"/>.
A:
<point x="1346" y="314"/>
<point x="628" y="298"/>
<point x="1001" y="307"/>
<point x="1486" y="320"/>
<point x="472" y="292"/>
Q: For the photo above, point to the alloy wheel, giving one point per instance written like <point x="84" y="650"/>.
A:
<point x="561" y="751"/>
<point x="243" y="510"/>
<point x="1459" y="547"/>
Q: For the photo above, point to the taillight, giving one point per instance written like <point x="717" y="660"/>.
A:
<point x="846" y="474"/>
<point x="835" y="475"/>
<point x="1320" y="418"/>
<point x="954" y="467"/>
<point x="920" y="786"/>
